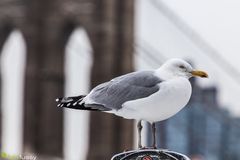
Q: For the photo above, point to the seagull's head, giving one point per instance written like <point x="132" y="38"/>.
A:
<point x="179" y="68"/>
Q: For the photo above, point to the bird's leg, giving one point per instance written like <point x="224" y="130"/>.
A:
<point x="139" y="126"/>
<point x="154" y="135"/>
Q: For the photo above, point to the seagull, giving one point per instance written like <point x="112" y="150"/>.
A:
<point x="152" y="95"/>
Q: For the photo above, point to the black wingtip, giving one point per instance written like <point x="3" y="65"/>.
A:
<point x="59" y="105"/>
<point x="70" y="102"/>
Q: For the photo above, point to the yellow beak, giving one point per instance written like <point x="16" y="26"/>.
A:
<point x="198" y="73"/>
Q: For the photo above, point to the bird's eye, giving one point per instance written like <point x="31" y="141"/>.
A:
<point x="182" y="67"/>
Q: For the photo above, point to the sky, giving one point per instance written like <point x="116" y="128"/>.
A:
<point x="215" y="20"/>
<point x="12" y="69"/>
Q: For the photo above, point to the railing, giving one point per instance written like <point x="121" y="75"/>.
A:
<point x="150" y="154"/>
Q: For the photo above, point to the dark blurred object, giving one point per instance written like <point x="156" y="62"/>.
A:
<point x="112" y="42"/>
<point x="150" y="154"/>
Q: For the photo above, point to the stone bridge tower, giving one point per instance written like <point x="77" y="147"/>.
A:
<point x="46" y="26"/>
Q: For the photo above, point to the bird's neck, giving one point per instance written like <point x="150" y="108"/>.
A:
<point x="163" y="74"/>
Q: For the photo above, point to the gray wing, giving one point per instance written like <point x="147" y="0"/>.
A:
<point x="114" y="93"/>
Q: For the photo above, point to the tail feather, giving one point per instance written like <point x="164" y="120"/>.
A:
<point x="74" y="103"/>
